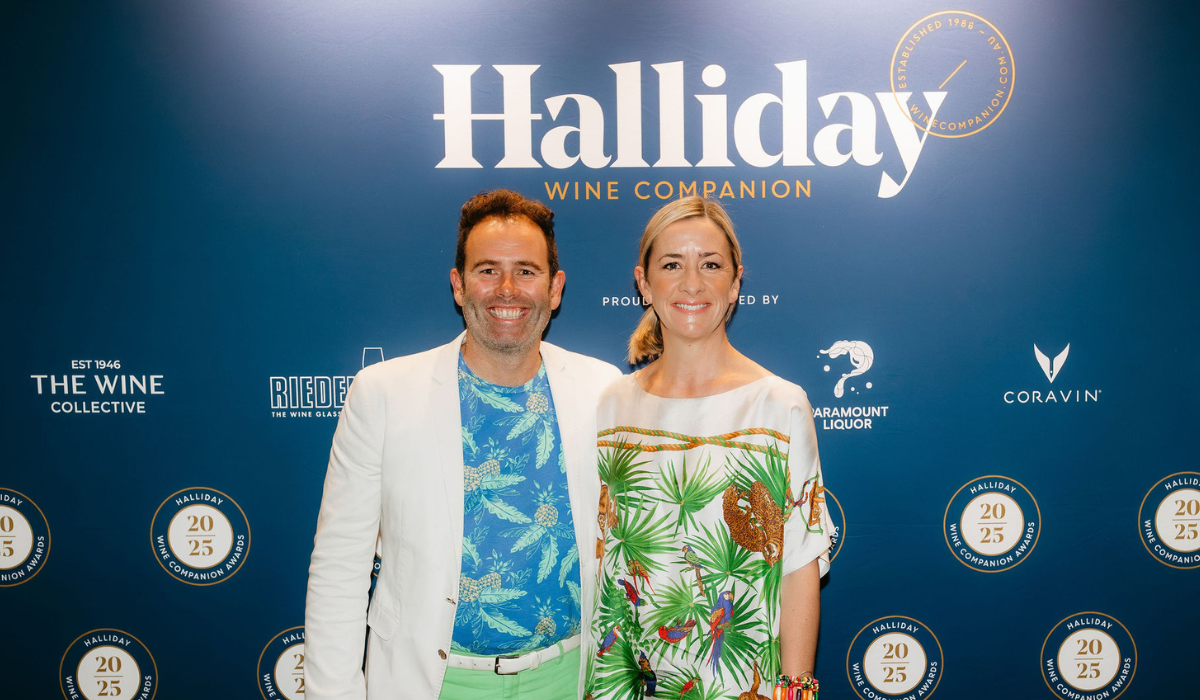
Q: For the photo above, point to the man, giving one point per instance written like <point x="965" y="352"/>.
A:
<point x="474" y="464"/>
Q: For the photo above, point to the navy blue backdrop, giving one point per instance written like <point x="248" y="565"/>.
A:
<point x="216" y="212"/>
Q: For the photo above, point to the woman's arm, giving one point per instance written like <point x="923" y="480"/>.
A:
<point x="799" y="619"/>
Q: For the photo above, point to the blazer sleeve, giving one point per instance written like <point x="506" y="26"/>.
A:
<point x="339" y="575"/>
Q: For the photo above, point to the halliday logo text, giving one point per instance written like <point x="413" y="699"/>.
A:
<point x="519" y="113"/>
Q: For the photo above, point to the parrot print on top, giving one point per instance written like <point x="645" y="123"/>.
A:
<point x="707" y="503"/>
<point x="519" y="587"/>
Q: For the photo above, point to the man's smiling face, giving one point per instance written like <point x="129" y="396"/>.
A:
<point x="506" y="290"/>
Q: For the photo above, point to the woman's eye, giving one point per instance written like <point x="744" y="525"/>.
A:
<point x="671" y="266"/>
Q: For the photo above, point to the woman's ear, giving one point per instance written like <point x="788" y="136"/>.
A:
<point x="643" y="286"/>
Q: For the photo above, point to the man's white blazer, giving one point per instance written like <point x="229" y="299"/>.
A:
<point x="396" y="472"/>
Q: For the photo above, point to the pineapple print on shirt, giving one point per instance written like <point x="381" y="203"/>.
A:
<point x="519" y="587"/>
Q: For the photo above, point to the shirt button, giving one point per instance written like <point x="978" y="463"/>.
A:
<point x="441" y="653"/>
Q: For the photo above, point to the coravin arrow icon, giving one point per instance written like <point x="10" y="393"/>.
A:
<point x="1051" y="368"/>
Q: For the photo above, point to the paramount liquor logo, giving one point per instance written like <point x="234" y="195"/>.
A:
<point x="315" y="396"/>
<point x="894" y="657"/>
<point x="200" y="536"/>
<point x="108" y="663"/>
<point x="1169" y="520"/>
<point x="992" y="523"/>
<point x="855" y="416"/>
<point x="281" y="666"/>
<point x="24" y="538"/>
<point x="1089" y="656"/>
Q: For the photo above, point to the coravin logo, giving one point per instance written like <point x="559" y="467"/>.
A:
<point x="1051" y="368"/>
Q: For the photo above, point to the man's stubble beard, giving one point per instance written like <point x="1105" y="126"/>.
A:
<point x="477" y="319"/>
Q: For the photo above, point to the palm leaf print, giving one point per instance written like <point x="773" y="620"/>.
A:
<point x="689" y="494"/>
<point x="549" y="558"/>
<point x="622" y="474"/>
<point x="677" y="602"/>
<point x="620" y="675"/>
<point x="526" y="422"/>
<point x="771" y="470"/>
<point x="568" y="559"/>
<point x="722" y="559"/>
<point x="671" y="686"/>
<point x="502" y="510"/>
<point x="497" y="621"/>
<point x="740" y="648"/>
<point x="545" y="444"/>
<point x="639" y="536"/>
<point x="496" y="400"/>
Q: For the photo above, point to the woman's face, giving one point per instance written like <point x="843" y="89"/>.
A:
<point x="690" y="278"/>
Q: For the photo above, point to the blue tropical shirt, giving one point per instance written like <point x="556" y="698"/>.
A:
<point x="519" y="588"/>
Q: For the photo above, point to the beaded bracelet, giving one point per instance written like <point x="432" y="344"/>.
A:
<point x="796" y="688"/>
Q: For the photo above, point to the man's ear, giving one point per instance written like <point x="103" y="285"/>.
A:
<point x="556" y="289"/>
<point x="456" y="283"/>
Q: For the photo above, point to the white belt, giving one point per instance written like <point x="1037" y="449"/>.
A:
<point x="508" y="665"/>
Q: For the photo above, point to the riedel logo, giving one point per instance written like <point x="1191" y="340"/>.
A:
<point x="1051" y="368"/>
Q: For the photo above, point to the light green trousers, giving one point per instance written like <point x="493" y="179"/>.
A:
<point x="557" y="679"/>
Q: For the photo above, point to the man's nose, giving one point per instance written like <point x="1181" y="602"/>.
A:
<point x="508" y="284"/>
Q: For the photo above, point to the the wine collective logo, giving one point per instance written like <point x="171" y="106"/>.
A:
<point x="200" y="536"/>
<point x="1089" y="656"/>
<point x="932" y="58"/>
<point x="107" y="663"/>
<point x="992" y="523"/>
<point x="1169" y="520"/>
<point x="315" y="396"/>
<point x="894" y="657"/>
<point x="281" y="666"/>
<point x="1052" y="369"/>
<point x="849" y="411"/>
<point x="106" y="389"/>
<point x="24" y="538"/>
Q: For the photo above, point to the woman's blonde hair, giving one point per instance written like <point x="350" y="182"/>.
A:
<point x="646" y="343"/>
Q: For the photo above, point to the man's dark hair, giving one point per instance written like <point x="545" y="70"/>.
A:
<point x="504" y="204"/>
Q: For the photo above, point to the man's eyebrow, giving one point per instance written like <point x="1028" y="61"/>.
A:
<point x="518" y="263"/>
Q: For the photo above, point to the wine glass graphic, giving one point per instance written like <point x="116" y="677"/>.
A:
<point x="371" y="356"/>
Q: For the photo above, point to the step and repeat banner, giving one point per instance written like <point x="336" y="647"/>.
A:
<point x="969" y="234"/>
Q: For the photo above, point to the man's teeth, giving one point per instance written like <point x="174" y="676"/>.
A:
<point x="506" y="313"/>
<point x="692" y="307"/>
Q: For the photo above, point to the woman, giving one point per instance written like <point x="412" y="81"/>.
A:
<point x="714" y="538"/>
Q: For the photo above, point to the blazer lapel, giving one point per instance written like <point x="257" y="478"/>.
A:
<point x="446" y="417"/>
<point x="570" y="426"/>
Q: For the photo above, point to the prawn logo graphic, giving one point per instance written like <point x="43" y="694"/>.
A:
<point x="861" y="358"/>
<point x="1051" y="367"/>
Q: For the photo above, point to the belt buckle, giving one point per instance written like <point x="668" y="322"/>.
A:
<point x="496" y="668"/>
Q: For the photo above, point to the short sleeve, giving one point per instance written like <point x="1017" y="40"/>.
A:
<point x="806" y="536"/>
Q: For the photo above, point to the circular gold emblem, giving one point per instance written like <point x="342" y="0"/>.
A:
<point x="952" y="74"/>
